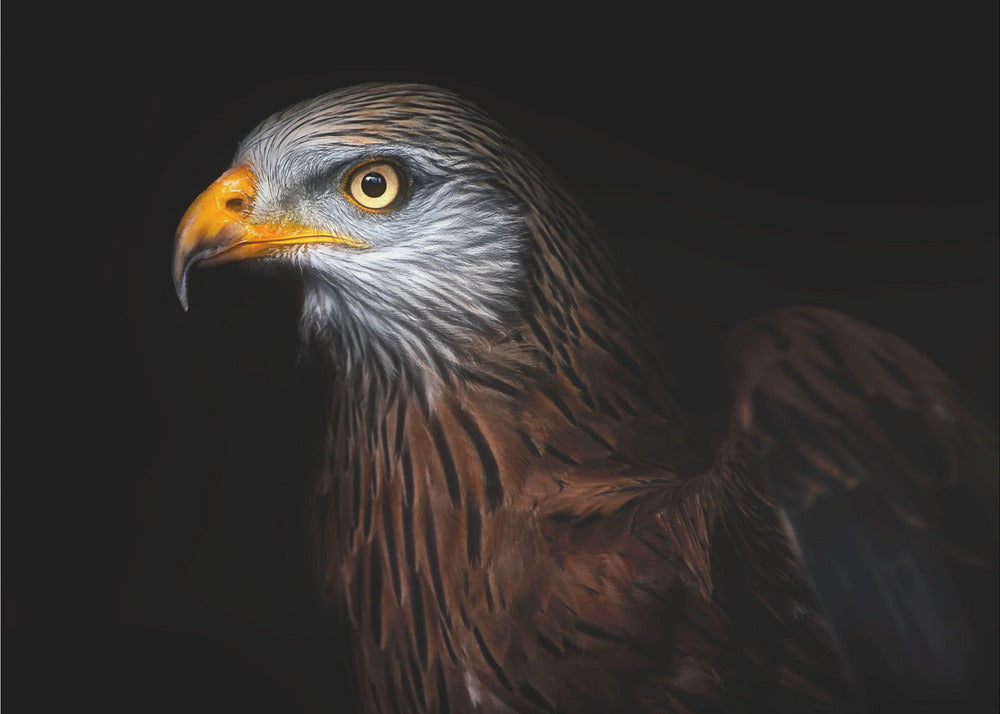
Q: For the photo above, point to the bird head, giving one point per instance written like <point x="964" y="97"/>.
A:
<point x="398" y="204"/>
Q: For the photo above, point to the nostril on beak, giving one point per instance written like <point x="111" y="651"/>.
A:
<point x="236" y="205"/>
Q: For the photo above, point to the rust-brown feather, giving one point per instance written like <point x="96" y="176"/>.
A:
<point x="889" y="477"/>
<point x="521" y="522"/>
<point x="543" y="536"/>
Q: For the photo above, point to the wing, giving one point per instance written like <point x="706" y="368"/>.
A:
<point x="889" y="479"/>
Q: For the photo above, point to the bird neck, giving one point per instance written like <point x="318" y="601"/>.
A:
<point x="428" y="473"/>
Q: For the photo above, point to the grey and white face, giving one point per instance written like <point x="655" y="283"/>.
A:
<point x="391" y="201"/>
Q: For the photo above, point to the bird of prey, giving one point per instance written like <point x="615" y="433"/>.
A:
<point x="516" y="517"/>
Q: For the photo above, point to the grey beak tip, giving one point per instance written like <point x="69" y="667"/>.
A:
<point x="180" y="287"/>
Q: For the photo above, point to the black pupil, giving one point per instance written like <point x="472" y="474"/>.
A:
<point x="373" y="184"/>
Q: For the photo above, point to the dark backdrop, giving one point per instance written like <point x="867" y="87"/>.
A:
<point x="156" y="464"/>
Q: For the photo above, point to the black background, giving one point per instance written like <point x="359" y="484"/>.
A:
<point x="156" y="464"/>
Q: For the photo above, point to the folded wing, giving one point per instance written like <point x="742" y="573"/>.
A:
<point x="888" y="475"/>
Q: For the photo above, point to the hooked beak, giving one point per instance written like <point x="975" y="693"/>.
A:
<point x="216" y="228"/>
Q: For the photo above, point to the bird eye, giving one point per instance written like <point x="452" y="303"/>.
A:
<point x="375" y="185"/>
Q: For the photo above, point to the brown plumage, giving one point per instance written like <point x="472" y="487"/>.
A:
<point x="514" y="515"/>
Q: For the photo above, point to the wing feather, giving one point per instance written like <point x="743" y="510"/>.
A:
<point x="888" y="476"/>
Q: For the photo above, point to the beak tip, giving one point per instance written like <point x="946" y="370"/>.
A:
<point x="180" y="287"/>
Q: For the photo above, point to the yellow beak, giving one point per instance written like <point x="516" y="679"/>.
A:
<point x="216" y="229"/>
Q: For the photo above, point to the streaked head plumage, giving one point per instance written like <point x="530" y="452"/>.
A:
<point x="441" y="262"/>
